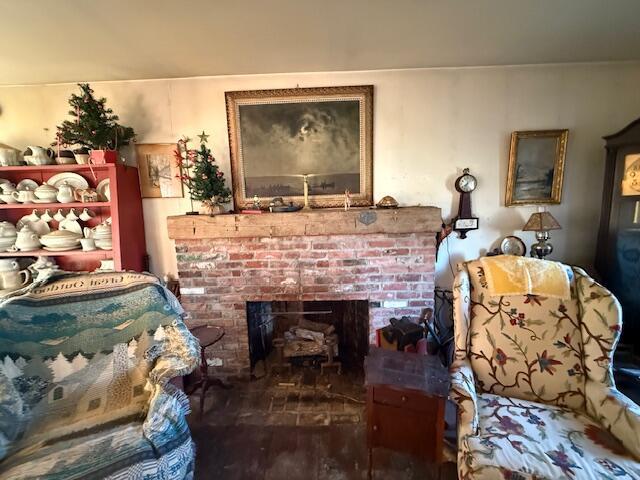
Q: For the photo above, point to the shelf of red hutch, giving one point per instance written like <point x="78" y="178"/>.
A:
<point x="55" y="168"/>
<point x="68" y="253"/>
<point x="40" y="206"/>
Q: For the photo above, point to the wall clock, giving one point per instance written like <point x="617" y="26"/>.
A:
<point x="465" y="221"/>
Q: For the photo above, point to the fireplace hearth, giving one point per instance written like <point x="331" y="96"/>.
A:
<point x="382" y="265"/>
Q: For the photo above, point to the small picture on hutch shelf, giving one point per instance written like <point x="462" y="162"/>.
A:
<point x="536" y="167"/>
<point x="158" y="170"/>
<point x="277" y="136"/>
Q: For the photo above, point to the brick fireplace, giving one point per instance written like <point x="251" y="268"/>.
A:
<point x="386" y="257"/>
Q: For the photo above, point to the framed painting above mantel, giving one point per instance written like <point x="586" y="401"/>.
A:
<point x="278" y="136"/>
<point x="536" y="167"/>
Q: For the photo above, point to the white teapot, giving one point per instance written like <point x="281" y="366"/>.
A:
<point x="65" y="193"/>
<point x="99" y="232"/>
<point x="27" y="240"/>
<point x="38" y="156"/>
<point x="11" y="277"/>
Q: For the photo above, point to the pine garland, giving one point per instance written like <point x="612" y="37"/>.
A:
<point x="94" y="126"/>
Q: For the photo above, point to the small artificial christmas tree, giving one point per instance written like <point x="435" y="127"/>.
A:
<point x="95" y="126"/>
<point x="201" y="175"/>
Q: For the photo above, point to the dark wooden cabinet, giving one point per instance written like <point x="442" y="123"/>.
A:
<point x="407" y="421"/>
<point x="618" y="254"/>
<point x="406" y="397"/>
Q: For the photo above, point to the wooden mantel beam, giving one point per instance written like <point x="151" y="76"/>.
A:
<point x="315" y="222"/>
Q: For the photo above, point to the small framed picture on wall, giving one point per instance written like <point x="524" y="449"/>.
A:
<point x="158" y="170"/>
<point x="536" y="167"/>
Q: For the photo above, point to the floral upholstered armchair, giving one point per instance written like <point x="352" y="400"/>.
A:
<point x="532" y="378"/>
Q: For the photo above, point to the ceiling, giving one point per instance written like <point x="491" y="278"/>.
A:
<point x="47" y="41"/>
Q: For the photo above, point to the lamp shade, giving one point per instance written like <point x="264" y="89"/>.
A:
<point x="541" y="221"/>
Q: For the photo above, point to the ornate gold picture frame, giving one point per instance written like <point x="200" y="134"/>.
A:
<point x="536" y="167"/>
<point x="277" y="136"/>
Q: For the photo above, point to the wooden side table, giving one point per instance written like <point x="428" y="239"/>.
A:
<point x="207" y="335"/>
<point x="406" y="397"/>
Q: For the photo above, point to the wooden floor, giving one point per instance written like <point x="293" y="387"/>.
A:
<point x="335" y="452"/>
<point x="294" y="428"/>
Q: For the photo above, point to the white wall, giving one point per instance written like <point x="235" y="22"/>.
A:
<point x="428" y="125"/>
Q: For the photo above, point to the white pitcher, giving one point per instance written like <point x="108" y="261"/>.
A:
<point x="65" y="193"/>
<point x="11" y="277"/>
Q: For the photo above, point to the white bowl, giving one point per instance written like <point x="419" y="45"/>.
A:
<point x="104" y="244"/>
<point x="66" y="160"/>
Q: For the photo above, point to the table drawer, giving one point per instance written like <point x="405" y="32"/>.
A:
<point x="409" y="400"/>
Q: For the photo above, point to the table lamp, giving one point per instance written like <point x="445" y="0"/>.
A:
<point x="541" y="223"/>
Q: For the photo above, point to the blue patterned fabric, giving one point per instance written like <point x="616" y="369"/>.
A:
<point x="85" y="362"/>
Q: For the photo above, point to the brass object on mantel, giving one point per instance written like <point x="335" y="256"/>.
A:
<point x="387" y="202"/>
<point x="314" y="222"/>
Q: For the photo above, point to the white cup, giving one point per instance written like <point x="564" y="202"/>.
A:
<point x="86" y="215"/>
<point x="34" y="216"/>
<point x="59" y="216"/>
<point x="88" y="244"/>
<point x="46" y="216"/>
<point x="72" y="215"/>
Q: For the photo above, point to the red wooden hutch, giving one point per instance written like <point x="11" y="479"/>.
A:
<point x="124" y="208"/>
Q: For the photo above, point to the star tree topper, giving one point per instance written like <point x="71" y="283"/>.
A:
<point x="203" y="137"/>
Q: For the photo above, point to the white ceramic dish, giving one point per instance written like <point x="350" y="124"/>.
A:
<point x="61" y="249"/>
<point x="61" y="244"/>
<point x="6" y="243"/>
<point x="104" y="193"/>
<point x="7" y="198"/>
<point x="104" y="244"/>
<point x="53" y="242"/>
<point x="40" y="227"/>
<point x="27" y="184"/>
<point x="73" y="179"/>
<point x="40" y="200"/>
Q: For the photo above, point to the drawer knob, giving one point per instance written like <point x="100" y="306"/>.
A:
<point x="375" y="428"/>
<point x="403" y="398"/>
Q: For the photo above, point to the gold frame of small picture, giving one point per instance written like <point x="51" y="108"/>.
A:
<point x="536" y="177"/>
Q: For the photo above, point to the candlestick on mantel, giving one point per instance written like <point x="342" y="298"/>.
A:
<point x="306" y="192"/>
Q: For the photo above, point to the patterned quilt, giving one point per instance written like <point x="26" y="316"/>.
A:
<point x="85" y="362"/>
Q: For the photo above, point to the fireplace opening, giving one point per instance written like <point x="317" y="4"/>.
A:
<point x="316" y="334"/>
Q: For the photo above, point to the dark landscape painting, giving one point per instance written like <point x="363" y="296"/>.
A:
<point x="536" y="167"/>
<point x="282" y="141"/>
<point x="325" y="133"/>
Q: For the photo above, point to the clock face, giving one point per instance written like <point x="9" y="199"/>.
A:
<point x="467" y="183"/>
<point x="631" y="179"/>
